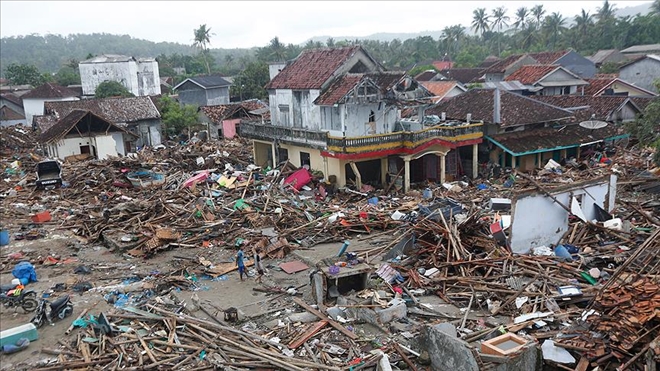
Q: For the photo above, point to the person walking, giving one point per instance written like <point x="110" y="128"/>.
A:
<point x="240" y="263"/>
<point x="258" y="264"/>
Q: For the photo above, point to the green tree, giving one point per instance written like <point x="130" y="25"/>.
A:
<point x="554" y="25"/>
<point x="646" y="128"/>
<point x="67" y="76"/>
<point x="249" y="84"/>
<point x="499" y="19"/>
<point x="202" y="41"/>
<point x="480" y="21"/>
<point x="655" y="8"/>
<point x="24" y="74"/>
<point x="522" y="15"/>
<point x="108" y="89"/>
<point x="538" y="12"/>
<point x="176" y="118"/>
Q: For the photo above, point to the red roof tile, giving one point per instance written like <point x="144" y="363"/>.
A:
<point x="601" y="106"/>
<point x="501" y="66"/>
<point x="221" y="112"/>
<point x="548" y="57"/>
<point x="426" y="75"/>
<point x="531" y="74"/>
<point x="312" y="68"/>
<point x="116" y="110"/>
<point x="338" y="89"/>
<point x="438" y="88"/>
<point x="463" y="75"/>
<point x="596" y="85"/>
<point x="515" y="109"/>
<point x="49" y="90"/>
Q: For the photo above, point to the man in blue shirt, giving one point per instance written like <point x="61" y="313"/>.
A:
<point x="240" y="263"/>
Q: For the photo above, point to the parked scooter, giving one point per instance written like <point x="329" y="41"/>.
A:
<point x="13" y="296"/>
<point x="57" y="310"/>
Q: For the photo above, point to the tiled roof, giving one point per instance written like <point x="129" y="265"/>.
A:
<point x="67" y="123"/>
<point x="515" y="109"/>
<point x="386" y="80"/>
<point x="312" y="68"/>
<point x="596" y="85"/>
<point x="439" y="88"/>
<point x="43" y="122"/>
<point x="547" y="138"/>
<point x="338" y="89"/>
<point x="548" y="57"/>
<point x="531" y="74"/>
<point x="601" y="106"/>
<point x="601" y="55"/>
<point x="12" y="98"/>
<point x="221" y="112"/>
<point x="7" y="113"/>
<point x="49" y="90"/>
<point x="463" y="75"/>
<point x="489" y="61"/>
<point x="642" y="102"/>
<point x="116" y="110"/>
<point x="641" y="58"/>
<point x="501" y="66"/>
<point x="426" y="75"/>
<point x="206" y="82"/>
<point x="642" y="48"/>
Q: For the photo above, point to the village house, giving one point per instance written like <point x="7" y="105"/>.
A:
<point x="138" y="76"/>
<point x="522" y="132"/>
<point x="463" y="75"/>
<point x="224" y="119"/>
<point x="337" y="111"/>
<point x="11" y="110"/>
<point x="607" y="56"/>
<point x="82" y="133"/>
<point x="569" y="59"/>
<point x="443" y="89"/>
<point x="610" y="84"/>
<point x="544" y="79"/>
<point x="642" y="72"/>
<point x="613" y="109"/>
<point x="138" y="115"/>
<point x="33" y="102"/>
<point x="203" y="91"/>
<point x="637" y="51"/>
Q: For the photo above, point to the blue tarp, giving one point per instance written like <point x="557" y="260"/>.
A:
<point x="25" y="272"/>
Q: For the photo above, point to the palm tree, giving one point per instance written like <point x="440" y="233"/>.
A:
<point x="521" y="18"/>
<point x="499" y="19"/>
<point x="554" y="25"/>
<point x="605" y="12"/>
<point x="480" y="21"/>
<point x="583" y="23"/>
<point x="452" y="37"/>
<point x="538" y="12"/>
<point x="277" y="49"/>
<point x="202" y="41"/>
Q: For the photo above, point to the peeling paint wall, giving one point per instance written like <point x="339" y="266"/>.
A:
<point x="35" y="106"/>
<point x="140" y="78"/>
<point x="537" y="220"/>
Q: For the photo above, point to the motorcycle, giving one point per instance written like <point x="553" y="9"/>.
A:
<point x="57" y="310"/>
<point x="13" y="296"/>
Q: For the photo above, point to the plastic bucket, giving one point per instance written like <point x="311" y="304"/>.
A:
<point x="4" y="237"/>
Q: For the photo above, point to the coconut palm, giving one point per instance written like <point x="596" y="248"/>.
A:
<point x="522" y="15"/>
<point x="538" y="12"/>
<point x="655" y="8"/>
<point x="499" y="19"/>
<point x="605" y="12"/>
<point x="277" y="49"/>
<point x="481" y="21"/>
<point x="554" y="25"/>
<point x="202" y="41"/>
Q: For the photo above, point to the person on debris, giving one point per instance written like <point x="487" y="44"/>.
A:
<point x="258" y="264"/>
<point x="240" y="263"/>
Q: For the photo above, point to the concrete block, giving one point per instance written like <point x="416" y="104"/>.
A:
<point x="447" y="328"/>
<point x="394" y="312"/>
<point x="333" y="312"/>
<point x="528" y="359"/>
<point x="446" y="351"/>
<point x="304" y="317"/>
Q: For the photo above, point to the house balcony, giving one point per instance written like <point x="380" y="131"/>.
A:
<point x="402" y="142"/>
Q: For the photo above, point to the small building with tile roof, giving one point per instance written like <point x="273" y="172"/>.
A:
<point x="642" y="72"/>
<point x="33" y="102"/>
<point x="203" y="90"/>
<point x="140" y="76"/>
<point x="612" y="85"/>
<point x="548" y="79"/>
<point x="10" y="117"/>
<point x="82" y="132"/>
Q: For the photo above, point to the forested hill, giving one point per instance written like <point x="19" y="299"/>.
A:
<point x="50" y="52"/>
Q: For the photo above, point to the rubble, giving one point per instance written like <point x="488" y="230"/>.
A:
<point x="592" y="293"/>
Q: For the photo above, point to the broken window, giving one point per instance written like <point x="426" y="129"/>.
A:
<point x="304" y="159"/>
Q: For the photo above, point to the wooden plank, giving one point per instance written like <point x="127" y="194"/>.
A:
<point x="308" y="334"/>
<point x="332" y="323"/>
<point x="583" y="364"/>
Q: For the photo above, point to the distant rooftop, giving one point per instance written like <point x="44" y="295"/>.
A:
<point x="114" y="58"/>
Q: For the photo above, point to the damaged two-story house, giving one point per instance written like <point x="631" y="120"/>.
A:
<point x="337" y="111"/>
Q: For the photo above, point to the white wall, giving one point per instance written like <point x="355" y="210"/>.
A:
<point x="105" y="146"/>
<point x="71" y="146"/>
<point x="35" y="106"/>
<point x="539" y="221"/>
<point x="119" y="143"/>
<point x="140" y="78"/>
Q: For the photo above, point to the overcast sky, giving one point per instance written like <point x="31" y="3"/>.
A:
<point x="243" y="24"/>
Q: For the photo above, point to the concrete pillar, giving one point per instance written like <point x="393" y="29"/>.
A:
<point x="325" y="168"/>
<point x="539" y="159"/>
<point x="406" y="175"/>
<point x="358" y="176"/>
<point x="475" y="161"/>
<point x="513" y="162"/>
<point x="273" y="155"/>
<point x="383" y="171"/>
<point x="443" y="168"/>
